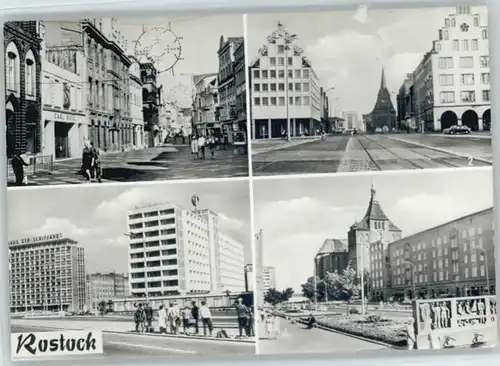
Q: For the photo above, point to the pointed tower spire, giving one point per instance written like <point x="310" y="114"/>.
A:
<point x="373" y="191"/>
<point x="383" y="84"/>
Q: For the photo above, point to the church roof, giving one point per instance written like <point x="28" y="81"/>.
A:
<point x="333" y="246"/>
<point x="374" y="212"/>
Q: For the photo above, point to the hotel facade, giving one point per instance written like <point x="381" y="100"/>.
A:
<point x="283" y="87"/>
<point x="106" y="287"/>
<point x="174" y="251"/>
<point x="451" y="85"/>
<point x="47" y="273"/>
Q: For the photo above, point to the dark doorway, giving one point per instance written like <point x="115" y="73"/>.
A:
<point x="61" y="138"/>
<point x="471" y="120"/>
<point x="448" y="119"/>
<point x="32" y="129"/>
<point x="487" y="120"/>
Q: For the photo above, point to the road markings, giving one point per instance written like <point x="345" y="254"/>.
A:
<point x="165" y="349"/>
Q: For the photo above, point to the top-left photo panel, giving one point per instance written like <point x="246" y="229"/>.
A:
<point x="102" y="100"/>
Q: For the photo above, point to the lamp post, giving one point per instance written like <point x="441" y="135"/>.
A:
<point x="145" y="265"/>
<point x="412" y="265"/>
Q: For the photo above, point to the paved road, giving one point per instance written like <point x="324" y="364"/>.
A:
<point x="297" y="339"/>
<point x="163" y="163"/>
<point x="374" y="153"/>
<point x="133" y="345"/>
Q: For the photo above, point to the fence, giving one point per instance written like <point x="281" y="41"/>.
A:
<point x="37" y="164"/>
<point x="455" y="320"/>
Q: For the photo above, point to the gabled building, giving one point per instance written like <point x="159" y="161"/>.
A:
<point x="331" y="257"/>
<point x="383" y="115"/>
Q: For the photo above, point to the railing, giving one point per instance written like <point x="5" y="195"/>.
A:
<point x="38" y="164"/>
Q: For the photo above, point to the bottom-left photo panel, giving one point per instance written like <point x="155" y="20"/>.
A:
<point x="122" y="271"/>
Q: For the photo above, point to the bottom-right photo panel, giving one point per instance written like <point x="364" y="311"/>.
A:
<point x="384" y="261"/>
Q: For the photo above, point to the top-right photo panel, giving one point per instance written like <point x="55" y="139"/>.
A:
<point x="370" y="90"/>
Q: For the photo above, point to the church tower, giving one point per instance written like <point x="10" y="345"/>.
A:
<point x="383" y="115"/>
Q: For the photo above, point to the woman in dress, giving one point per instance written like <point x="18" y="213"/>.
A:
<point x="194" y="147"/>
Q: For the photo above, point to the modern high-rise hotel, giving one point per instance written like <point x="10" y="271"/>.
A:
<point x="47" y="273"/>
<point x="174" y="251"/>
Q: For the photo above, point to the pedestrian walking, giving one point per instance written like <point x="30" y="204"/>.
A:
<point x="162" y="320"/>
<point x="18" y="163"/>
<point x="211" y="146"/>
<point x="201" y="146"/>
<point x="410" y="334"/>
<point x="195" y="315"/>
<point x="194" y="147"/>
<point x="206" y="319"/>
<point x="173" y="318"/>
<point x="242" y="314"/>
<point x="250" y="323"/>
<point x="148" y="311"/>
<point x="87" y="163"/>
<point x="139" y="318"/>
<point x="186" y="314"/>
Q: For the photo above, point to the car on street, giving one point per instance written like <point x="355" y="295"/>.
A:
<point x="378" y="130"/>
<point x="456" y="130"/>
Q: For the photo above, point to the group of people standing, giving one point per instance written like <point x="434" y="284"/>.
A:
<point x="91" y="164"/>
<point x="199" y="145"/>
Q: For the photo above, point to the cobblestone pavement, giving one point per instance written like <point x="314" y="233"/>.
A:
<point x="375" y="152"/>
<point x="166" y="163"/>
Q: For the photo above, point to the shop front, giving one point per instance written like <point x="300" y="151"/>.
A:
<point x="64" y="134"/>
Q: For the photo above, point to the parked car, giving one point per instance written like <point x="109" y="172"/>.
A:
<point x="456" y="130"/>
<point x="378" y="130"/>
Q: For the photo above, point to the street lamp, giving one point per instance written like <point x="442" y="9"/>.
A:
<point x="412" y="265"/>
<point x="145" y="266"/>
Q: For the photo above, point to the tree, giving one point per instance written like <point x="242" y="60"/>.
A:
<point x="274" y="297"/>
<point x="110" y="306"/>
<point x="344" y="286"/>
<point x="308" y="289"/>
<point x="101" y="307"/>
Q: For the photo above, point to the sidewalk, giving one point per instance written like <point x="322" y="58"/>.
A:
<point x="121" y="327"/>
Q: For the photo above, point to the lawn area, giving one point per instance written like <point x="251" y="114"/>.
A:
<point x="391" y="331"/>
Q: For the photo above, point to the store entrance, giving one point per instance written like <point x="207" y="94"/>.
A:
<point x="61" y="138"/>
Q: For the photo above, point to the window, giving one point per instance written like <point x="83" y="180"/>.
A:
<point x="256" y="74"/>
<point x="466" y="62"/>
<point x="272" y="61"/>
<point x="446" y="79"/>
<point x="465" y="45"/>
<point x="484" y="61"/>
<point x="30" y="75"/>
<point x="273" y="100"/>
<point x="476" y="22"/>
<point x="281" y="74"/>
<point x="281" y="87"/>
<point x="273" y="87"/>
<point x="306" y="101"/>
<point x="468" y="96"/>
<point x="486" y="95"/>
<point x="445" y="62"/>
<point x="447" y="22"/>
<point x="475" y="45"/>
<point x="456" y="45"/>
<point x="297" y="74"/>
<point x="467" y="79"/>
<point x="265" y="101"/>
<point x="438" y="46"/>
<point x="12" y="62"/>
<point x="281" y="101"/>
<point x="306" y="87"/>
<point x="298" y="86"/>
<point x="265" y="74"/>
<point x="290" y="100"/>
<point x="281" y="48"/>
<point x="290" y="61"/>
<point x="281" y="61"/>
<point x="273" y="74"/>
<point x="453" y="22"/>
<point x="447" y="97"/>
<point x="297" y="101"/>
<point x="485" y="78"/>
<point x="290" y="74"/>
<point x="290" y="86"/>
<point x="446" y="36"/>
<point x="256" y="87"/>
<point x="485" y="33"/>
<point x="305" y="73"/>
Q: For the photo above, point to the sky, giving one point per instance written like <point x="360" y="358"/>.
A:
<point x="95" y="215"/>
<point x="200" y="43"/>
<point x="349" y="55"/>
<point x="298" y="214"/>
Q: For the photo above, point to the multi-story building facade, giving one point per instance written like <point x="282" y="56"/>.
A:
<point x="383" y="116"/>
<point x="150" y="103"/>
<point x="239" y="133"/>
<point x="324" y="110"/>
<point x="284" y="87"/>
<point x="452" y="82"/>
<point x="268" y="278"/>
<point x="64" y="114"/>
<point x="176" y="251"/>
<point x="47" y="273"/>
<point x="226" y="84"/>
<point x="453" y="259"/>
<point x="135" y="99"/>
<point x="331" y="257"/>
<point x="205" y="105"/>
<point x="22" y="46"/>
<point x="108" y="96"/>
<point x="352" y="121"/>
<point x="106" y="287"/>
<point x="405" y="105"/>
